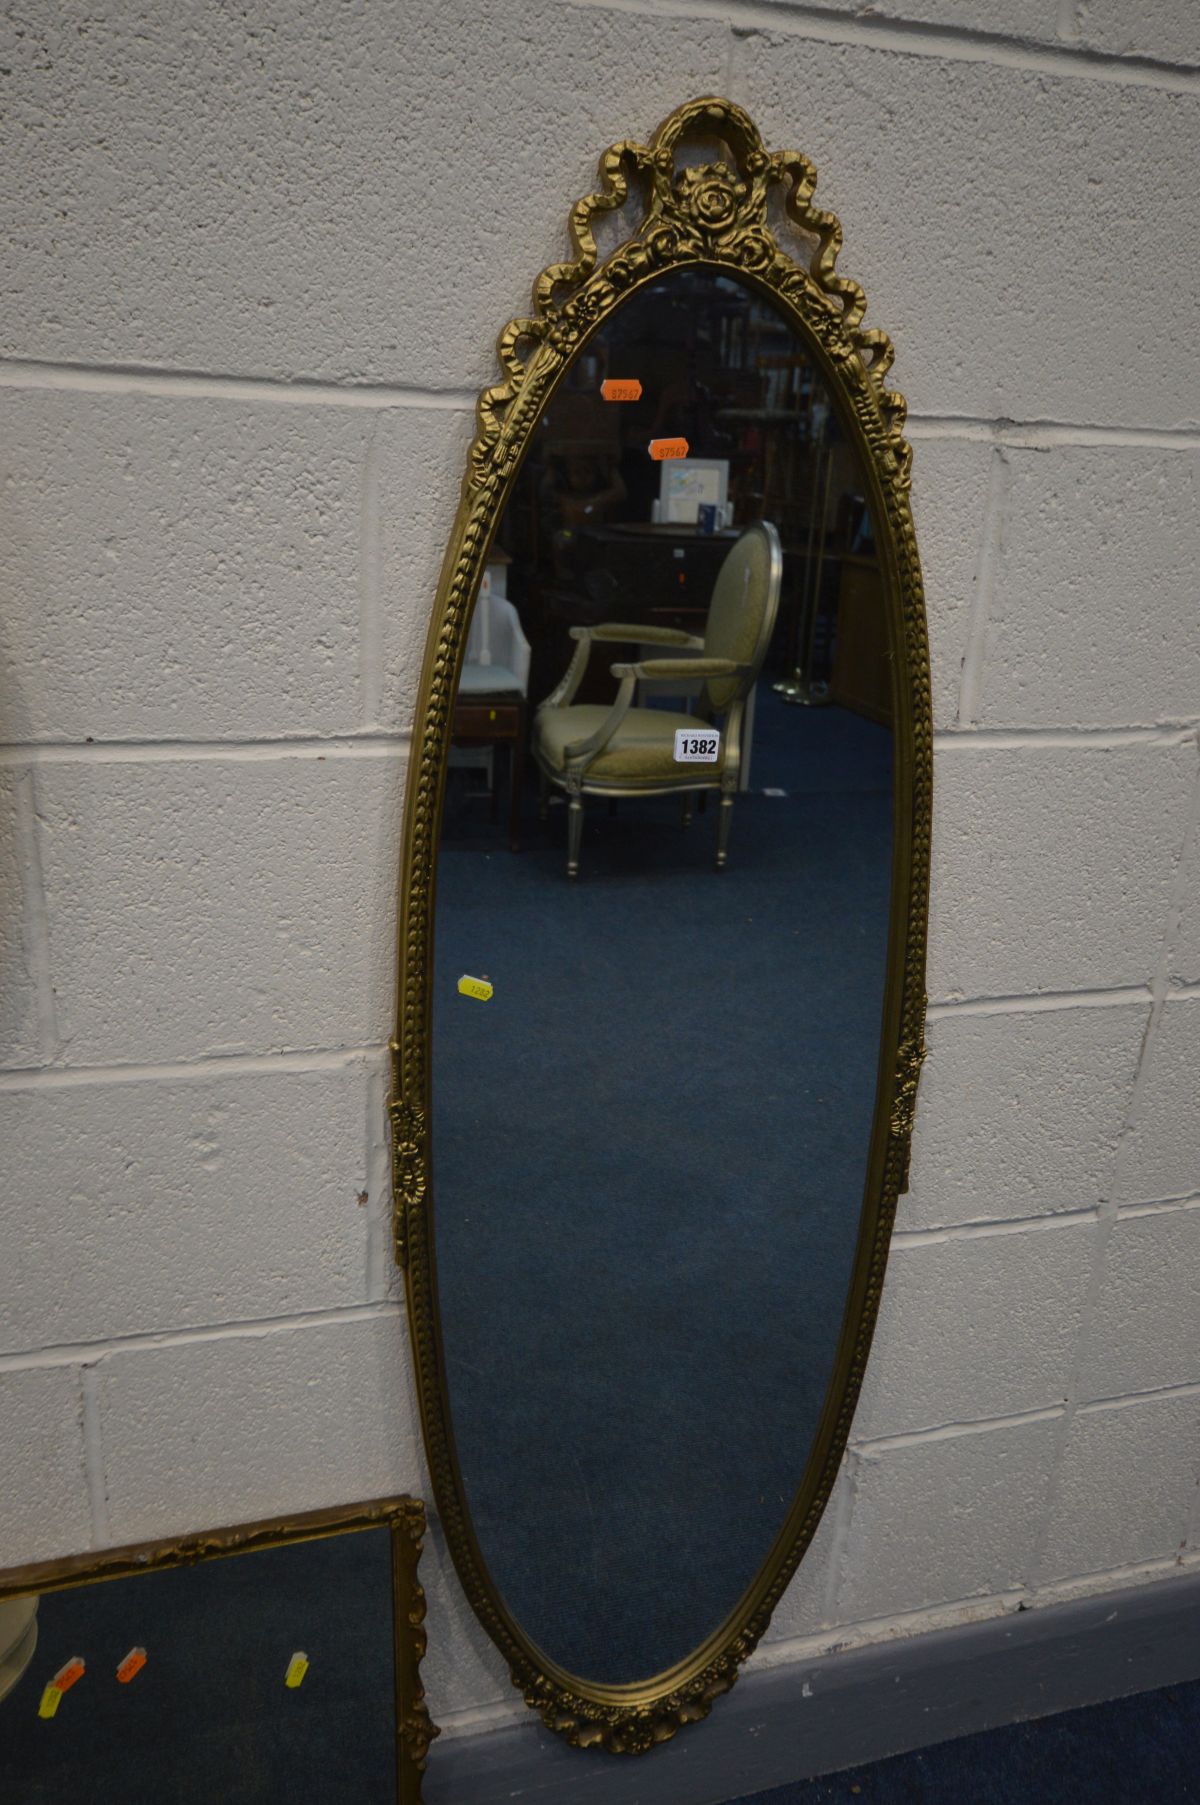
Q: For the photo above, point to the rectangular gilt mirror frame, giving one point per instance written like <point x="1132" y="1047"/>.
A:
<point x="227" y="1672"/>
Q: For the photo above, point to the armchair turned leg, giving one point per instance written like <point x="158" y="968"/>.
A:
<point x="724" y="822"/>
<point x="574" y="834"/>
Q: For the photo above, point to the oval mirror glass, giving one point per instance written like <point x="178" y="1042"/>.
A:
<point x="666" y="985"/>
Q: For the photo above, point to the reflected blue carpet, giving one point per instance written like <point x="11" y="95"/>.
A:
<point x="1134" y="1751"/>
<point x="649" y="1157"/>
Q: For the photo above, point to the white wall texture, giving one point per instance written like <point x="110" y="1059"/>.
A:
<point x="259" y="257"/>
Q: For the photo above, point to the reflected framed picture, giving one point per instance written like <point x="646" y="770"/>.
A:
<point x="689" y="484"/>
<point x="272" y="1660"/>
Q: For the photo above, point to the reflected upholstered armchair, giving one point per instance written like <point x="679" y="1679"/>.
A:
<point x="623" y="750"/>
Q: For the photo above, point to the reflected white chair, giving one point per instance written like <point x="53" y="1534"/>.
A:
<point x="489" y="709"/>
<point x="496" y="662"/>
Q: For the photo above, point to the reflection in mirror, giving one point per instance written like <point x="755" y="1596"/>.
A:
<point x="666" y="855"/>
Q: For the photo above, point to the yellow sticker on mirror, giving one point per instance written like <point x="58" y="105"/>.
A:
<point x="296" y="1670"/>
<point x="51" y="1699"/>
<point x="474" y="987"/>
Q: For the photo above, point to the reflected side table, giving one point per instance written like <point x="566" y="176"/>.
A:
<point x="498" y="720"/>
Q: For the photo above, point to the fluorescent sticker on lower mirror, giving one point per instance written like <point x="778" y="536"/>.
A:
<point x="131" y="1666"/>
<point x="697" y="745"/>
<point x="296" y="1670"/>
<point x="474" y="987"/>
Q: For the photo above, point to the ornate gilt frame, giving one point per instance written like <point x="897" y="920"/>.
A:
<point x="403" y="1517"/>
<point x="713" y="216"/>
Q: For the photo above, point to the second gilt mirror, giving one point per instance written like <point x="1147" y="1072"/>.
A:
<point x="662" y="932"/>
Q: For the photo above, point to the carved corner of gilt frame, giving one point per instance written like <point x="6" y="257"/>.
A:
<point x="415" y="1727"/>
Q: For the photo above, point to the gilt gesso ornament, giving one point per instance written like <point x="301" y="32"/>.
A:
<point x="713" y="214"/>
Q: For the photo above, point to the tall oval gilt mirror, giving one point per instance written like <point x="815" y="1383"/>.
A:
<point x="662" y="932"/>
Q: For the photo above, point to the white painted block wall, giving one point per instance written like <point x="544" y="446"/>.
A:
<point x="260" y="259"/>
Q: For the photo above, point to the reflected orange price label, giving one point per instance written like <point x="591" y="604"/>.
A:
<point x="668" y="448"/>
<point x="67" y="1675"/>
<point x="131" y="1666"/>
<point x="621" y="389"/>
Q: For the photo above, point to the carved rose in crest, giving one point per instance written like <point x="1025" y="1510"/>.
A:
<point x="710" y="195"/>
<point x="756" y="250"/>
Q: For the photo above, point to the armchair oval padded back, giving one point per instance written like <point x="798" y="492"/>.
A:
<point x="741" y="617"/>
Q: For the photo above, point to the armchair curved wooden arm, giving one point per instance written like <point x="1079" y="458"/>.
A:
<point x="652" y="668"/>
<point x="579" y="754"/>
<point x="609" y="632"/>
<point x="644" y="635"/>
